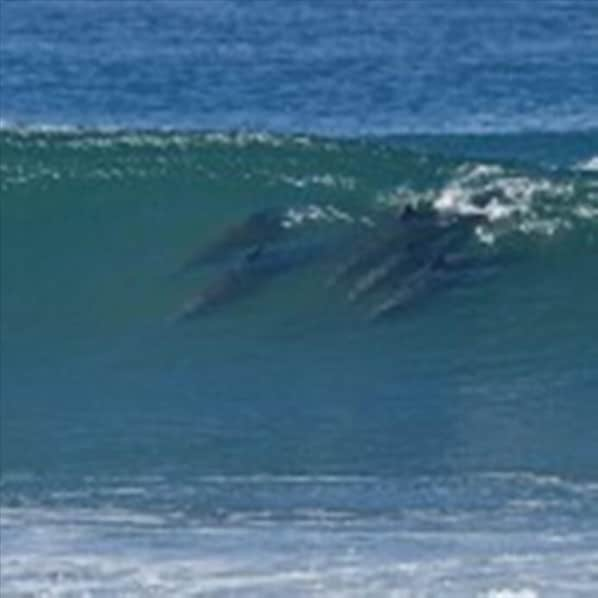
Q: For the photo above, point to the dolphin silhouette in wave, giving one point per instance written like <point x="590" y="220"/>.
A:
<point x="406" y="257"/>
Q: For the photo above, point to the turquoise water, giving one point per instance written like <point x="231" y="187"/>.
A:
<point x="283" y="441"/>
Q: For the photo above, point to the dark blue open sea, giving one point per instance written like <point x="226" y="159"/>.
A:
<point x="299" y="298"/>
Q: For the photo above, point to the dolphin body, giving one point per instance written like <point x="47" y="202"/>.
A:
<point x="414" y="253"/>
<point x="259" y="266"/>
<point x="256" y="251"/>
<point x="422" y="240"/>
<point x="445" y="271"/>
<point x="258" y="229"/>
<point x="420" y="283"/>
<point x="233" y="284"/>
<point x="390" y="240"/>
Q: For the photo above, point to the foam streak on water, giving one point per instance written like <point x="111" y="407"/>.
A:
<point x="411" y="547"/>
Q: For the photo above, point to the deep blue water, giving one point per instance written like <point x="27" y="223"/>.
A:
<point x="286" y="441"/>
<point x="306" y="66"/>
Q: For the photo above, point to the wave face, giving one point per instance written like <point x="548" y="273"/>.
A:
<point x="237" y="440"/>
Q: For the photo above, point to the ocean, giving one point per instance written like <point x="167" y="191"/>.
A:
<point x="299" y="299"/>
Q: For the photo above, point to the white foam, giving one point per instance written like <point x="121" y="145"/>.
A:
<point x="512" y="201"/>
<point x="288" y="479"/>
<point x="108" y="551"/>
<point x="590" y="165"/>
<point x="586" y="212"/>
<point x="401" y="196"/>
<point x="13" y="126"/>
<point x="78" y="516"/>
<point x="245" y="138"/>
<point x="510" y="593"/>
<point x="323" y="180"/>
<point x="314" y="213"/>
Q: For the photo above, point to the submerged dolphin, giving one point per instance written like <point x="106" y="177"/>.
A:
<point x="258" y="229"/>
<point x="416" y="285"/>
<point x="404" y="257"/>
<point x="232" y="285"/>
<point x="413" y="254"/>
<point x="446" y="270"/>
<point x="423" y="242"/>
<point x="257" y="268"/>
<point x="381" y="244"/>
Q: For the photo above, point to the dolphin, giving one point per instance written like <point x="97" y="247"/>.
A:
<point x="376" y="277"/>
<point x="235" y="283"/>
<point x="258" y="229"/>
<point x="447" y="269"/>
<point x="260" y="265"/>
<point x="417" y="284"/>
<point x="388" y="241"/>
<point x="424" y="244"/>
